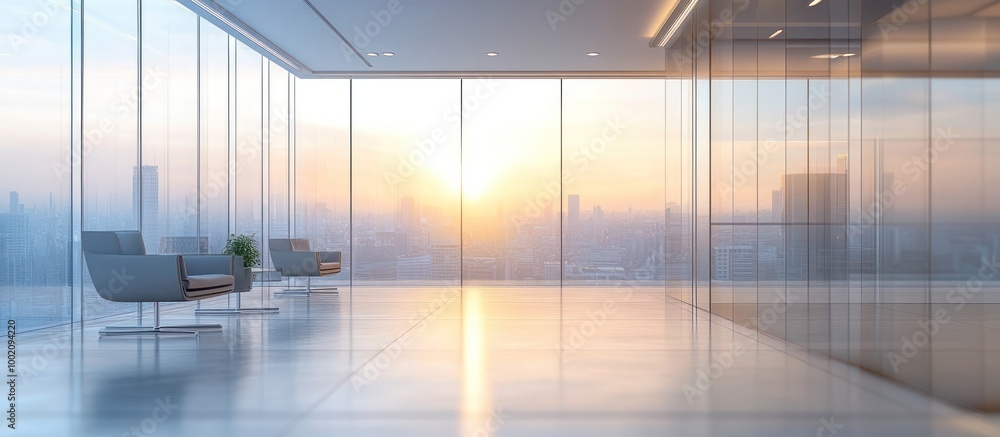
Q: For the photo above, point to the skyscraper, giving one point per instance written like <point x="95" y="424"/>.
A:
<point x="777" y="206"/>
<point x="15" y="262"/>
<point x="816" y="205"/>
<point x="15" y="204"/>
<point x="573" y="218"/>
<point x="146" y="201"/>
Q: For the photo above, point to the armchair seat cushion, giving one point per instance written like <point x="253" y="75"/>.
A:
<point x="200" y="285"/>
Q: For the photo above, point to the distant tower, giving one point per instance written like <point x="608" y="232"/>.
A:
<point x="573" y="218"/>
<point x="777" y="206"/>
<point x="14" y="203"/>
<point x="146" y="201"/>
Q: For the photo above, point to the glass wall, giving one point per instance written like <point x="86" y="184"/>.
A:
<point x="129" y="107"/>
<point x="846" y="153"/>
<point x="169" y="139"/>
<point x="321" y="172"/>
<point x="188" y="135"/>
<point x="511" y="180"/>
<point x="615" y="221"/>
<point x="406" y="181"/>
<point x="214" y="163"/>
<point x="112" y="180"/>
<point x="36" y="174"/>
<point x="249" y="121"/>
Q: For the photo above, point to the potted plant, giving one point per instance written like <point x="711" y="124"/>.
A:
<point x="247" y="248"/>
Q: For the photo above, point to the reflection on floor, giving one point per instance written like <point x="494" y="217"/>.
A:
<point x="468" y="362"/>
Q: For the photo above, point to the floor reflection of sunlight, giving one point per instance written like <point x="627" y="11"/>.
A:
<point x="475" y="396"/>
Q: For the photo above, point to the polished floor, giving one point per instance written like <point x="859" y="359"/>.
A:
<point x="463" y="362"/>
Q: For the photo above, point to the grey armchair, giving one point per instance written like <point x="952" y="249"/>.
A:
<point x="293" y="258"/>
<point x="122" y="272"/>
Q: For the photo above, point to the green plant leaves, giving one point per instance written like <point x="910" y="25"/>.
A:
<point x="245" y="246"/>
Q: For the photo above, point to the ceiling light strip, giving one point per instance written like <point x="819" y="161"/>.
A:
<point x="334" y="29"/>
<point x="639" y="74"/>
<point x="665" y="36"/>
<point x="239" y="26"/>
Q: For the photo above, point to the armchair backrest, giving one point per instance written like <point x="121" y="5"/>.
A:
<point x="292" y="257"/>
<point x="113" y="242"/>
<point x="289" y="244"/>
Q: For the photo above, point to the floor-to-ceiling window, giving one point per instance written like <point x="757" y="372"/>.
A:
<point x="169" y="140"/>
<point x="511" y="181"/>
<point x="249" y="115"/>
<point x="37" y="168"/>
<point x="321" y="172"/>
<point x="212" y="201"/>
<point x="615" y="212"/>
<point x="113" y="85"/>
<point x="406" y="181"/>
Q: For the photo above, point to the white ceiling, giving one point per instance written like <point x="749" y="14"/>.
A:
<point x="451" y="37"/>
<point x="550" y="38"/>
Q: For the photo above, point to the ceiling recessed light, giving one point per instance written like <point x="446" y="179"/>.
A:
<point x="372" y="54"/>
<point x="776" y="33"/>
<point x="491" y="54"/>
<point x="814" y="3"/>
<point x="847" y="55"/>
<point x="389" y="54"/>
<point x="827" y="56"/>
<point x="592" y="54"/>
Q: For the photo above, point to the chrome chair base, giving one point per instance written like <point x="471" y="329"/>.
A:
<point x="159" y="330"/>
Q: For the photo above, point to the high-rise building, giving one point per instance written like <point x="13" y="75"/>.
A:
<point x="15" y="204"/>
<point x="816" y="213"/>
<point x="146" y="204"/>
<point x="445" y="256"/>
<point x="183" y="245"/>
<point x="15" y="260"/>
<point x="573" y="215"/>
<point x="777" y="206"/>
<point x="734" y="263"/>
<point x="413" y="268"/>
